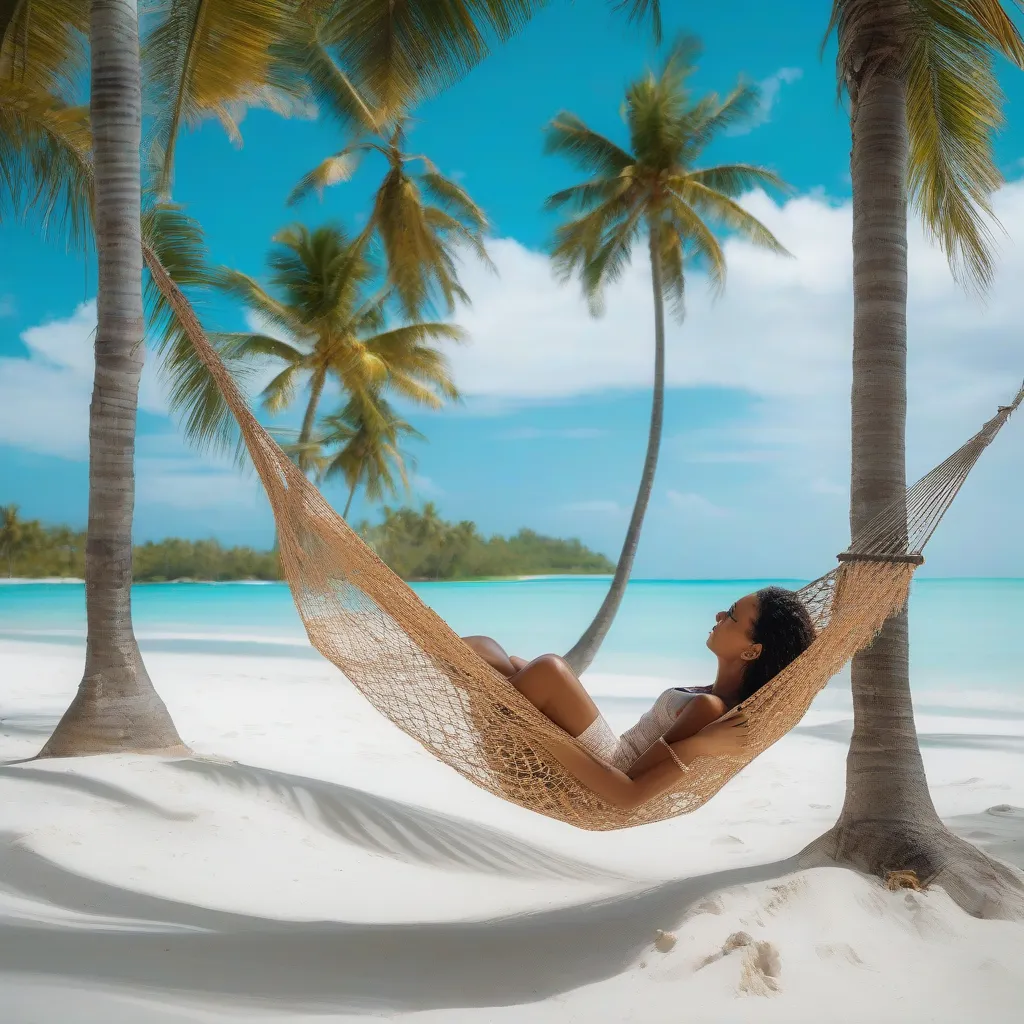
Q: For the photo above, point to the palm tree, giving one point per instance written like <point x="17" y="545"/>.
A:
<point x="654" y="187"/>
<point x="11" y="535"/>
<point x="924" y="104"/>
<point x="420" y="217"/>
<point x="116" y="707"/>
<point x="46" y="164"/>
<point x="338" y="327"/>
<point x="368" y="431"/>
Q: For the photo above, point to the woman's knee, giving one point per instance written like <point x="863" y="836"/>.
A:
<point x="542" y="676"/>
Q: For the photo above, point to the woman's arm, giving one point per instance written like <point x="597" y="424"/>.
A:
<point x="727" y="736"/>
<point x="698" y="712"/>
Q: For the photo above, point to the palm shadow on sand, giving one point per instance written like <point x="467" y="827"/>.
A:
<point x="145" y="943"/>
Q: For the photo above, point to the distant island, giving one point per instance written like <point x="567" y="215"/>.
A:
<point x="417" y="545"/>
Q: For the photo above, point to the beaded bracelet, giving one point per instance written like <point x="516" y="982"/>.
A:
<point x="674" y="755"/>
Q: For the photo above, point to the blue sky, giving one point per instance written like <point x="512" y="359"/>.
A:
<point x="753" y="474"/>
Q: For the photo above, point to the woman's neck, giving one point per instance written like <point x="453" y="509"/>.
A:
<point x="728" y="682"/>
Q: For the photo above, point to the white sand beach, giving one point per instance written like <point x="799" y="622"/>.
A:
<point x="314" y="864"/>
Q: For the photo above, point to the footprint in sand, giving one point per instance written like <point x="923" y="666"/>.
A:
<point x="712" y="905"/>
<point x="761" y="964"/>
<point x="1006" y="810"/>
<point x="837" y="950"/>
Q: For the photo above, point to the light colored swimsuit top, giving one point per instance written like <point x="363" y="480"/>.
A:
<point x="622" y="751"/>
<point x="656" y="722"/>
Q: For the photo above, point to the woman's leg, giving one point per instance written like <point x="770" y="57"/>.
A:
<point x="493" y="653"/>
<point x="546" y="682"/>
<point x="551" y="686"/>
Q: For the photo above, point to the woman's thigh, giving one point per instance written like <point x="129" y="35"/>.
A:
<point x="551" y="686"/>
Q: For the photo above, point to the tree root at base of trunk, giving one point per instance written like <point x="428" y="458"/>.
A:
<point x="93" y="724"/>
<point x="919" y="855"/>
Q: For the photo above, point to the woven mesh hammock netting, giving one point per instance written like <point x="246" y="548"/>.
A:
<point x="414" y="669"/>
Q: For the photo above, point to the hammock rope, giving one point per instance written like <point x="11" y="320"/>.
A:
<point x="417" y="672"/>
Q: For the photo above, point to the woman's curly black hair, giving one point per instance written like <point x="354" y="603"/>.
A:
<point x="784" y="630"/>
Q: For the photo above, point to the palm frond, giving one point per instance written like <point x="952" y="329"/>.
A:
<point x="588" y="194"/>
<point x="454" y="233"/>
<point x="672" y="247"/>
<point x="710" y="203"/>
<point x="196" y="400"/>
<point x="330" y="87"/>
<point x="568" y="136"/>
<point x="642" y="10"/>
<point x="279" y="394"/>
<point x="954" y="108"/>
<point x="214" y="58"/>
<point x="252" y="294"/>
<point x="739" y="106"/>
<point x="45" y="162"/>
<point x="607" y="264"/>
<point x="404" y="52"/>
<point x="43" y="45"/>
<point x="262" y="346"/>
<point x="454" y="199"/>
<point x="693" y="233"/>
<point x="339" y="167"/>
<point x="735" y="179"/>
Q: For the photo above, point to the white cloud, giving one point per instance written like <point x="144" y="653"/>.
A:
<point x="770" y="88"/>
<point x="686" y="501"/>
<point x="781" y="333"/>
<point x="190" y="482"/>
<point x="596" y="507"/>
<point x="425" y="486"/>
<point x="44" y="399"/>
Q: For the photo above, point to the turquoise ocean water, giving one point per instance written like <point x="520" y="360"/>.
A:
<point x="965" y="633"/>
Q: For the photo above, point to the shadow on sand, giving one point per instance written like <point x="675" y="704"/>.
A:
<point x="143" y="942"/>
<point x="215" y="956"/>
<point x="398" y="830"/>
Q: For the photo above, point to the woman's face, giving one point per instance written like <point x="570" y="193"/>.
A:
<point x="730" y="637"/>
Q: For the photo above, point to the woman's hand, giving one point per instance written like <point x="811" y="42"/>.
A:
<point x="725" y="738"/>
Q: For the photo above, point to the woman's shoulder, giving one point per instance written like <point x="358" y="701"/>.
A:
<point x="703" y="698"/>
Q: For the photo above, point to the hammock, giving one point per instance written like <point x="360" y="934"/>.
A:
<point x="415" y="670"/>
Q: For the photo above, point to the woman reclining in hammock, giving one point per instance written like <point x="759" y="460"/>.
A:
<point x="754" y="640"/>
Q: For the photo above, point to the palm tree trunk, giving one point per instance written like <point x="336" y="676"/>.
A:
<point x="888" y="822"/>
<point x="348" y="504"/>
<point x="304" y="460"/>
<point x="315" y="391"/>
<point x="586" y="648"/>
<point x="885" y="774"/>
<point x="116" y="708"/>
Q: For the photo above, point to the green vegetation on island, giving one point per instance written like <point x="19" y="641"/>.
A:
<point x="416" y="545"/>
<point x="422" y="546"/>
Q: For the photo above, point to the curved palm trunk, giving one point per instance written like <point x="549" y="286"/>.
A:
<point x="586" y="648"/>
<point x="888" y="822"/>
<point x="116" y="708"/>
<point x="348" y="504"/>
<point x="315" y="391"/>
